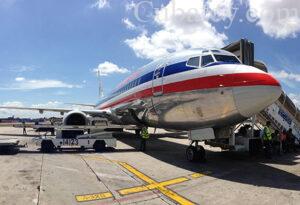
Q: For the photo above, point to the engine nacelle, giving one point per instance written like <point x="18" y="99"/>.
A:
<point x="75" y="118"/>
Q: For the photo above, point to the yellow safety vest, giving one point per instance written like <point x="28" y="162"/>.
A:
<point x="144" y="133"/>
<point x="267" y="134"/>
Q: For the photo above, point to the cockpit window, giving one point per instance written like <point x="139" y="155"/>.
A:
<point x="194" y="62"/>
<point x="206" y="60"/>
<point x="227" y="59"/>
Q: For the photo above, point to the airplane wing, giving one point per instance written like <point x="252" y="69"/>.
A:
<point x="41" y="110"/>
<point x="82" y="104"/>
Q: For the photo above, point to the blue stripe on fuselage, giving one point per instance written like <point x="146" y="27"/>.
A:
<point x="169" y="70"/>
<point x="177" y="68"/>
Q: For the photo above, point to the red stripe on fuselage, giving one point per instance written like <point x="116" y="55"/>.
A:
<point x="209" y="82"/>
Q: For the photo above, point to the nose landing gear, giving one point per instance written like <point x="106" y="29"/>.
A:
<point x="195" y="153"/>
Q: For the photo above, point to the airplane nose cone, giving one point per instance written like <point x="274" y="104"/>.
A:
<point x="258" y="92"/>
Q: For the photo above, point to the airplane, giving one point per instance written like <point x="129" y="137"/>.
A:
<point x="189" y="90"/>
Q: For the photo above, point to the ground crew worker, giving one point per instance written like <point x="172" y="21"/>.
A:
<point x="290" y="138"/>
<point x="24" y="128"/>
<point x="267" y="139"/>
<point x="276" y="142"/>
<point x="144" y="138"/>
<point x="283" y="141"/>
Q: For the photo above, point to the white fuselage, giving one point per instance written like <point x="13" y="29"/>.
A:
<point x="172" y="94"/>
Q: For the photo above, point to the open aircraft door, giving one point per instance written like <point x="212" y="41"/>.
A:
<point x="158" y="86"/>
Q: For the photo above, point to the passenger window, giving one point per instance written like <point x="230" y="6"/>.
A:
<point x="206" y="60"/>
<point x="194" y="62"/>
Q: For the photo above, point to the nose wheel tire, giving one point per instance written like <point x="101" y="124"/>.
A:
<point x="195" y="154"/>
<point x="201" y="153"/>
<point x="138" y="132"/>
<point x="191" y="153"/>
<point x="47" y="146"/>
<point x="99" y="146"/>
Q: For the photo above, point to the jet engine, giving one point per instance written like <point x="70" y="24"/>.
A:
<point x="72" y="118"/>
<point x="75" y="118"/>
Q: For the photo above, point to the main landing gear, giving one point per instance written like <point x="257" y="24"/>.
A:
<point x="195" y="152"/>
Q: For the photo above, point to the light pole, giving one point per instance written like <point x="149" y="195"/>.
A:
<point x="101" y="94"/>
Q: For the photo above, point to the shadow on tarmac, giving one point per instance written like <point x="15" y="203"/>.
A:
<point x="230" y="166"/>
<point x="236" y="167"/>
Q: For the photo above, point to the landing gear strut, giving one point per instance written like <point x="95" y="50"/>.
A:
<point x="195" y="152"/>
<point x="138" y="132"/>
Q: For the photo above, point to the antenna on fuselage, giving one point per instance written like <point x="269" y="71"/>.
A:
<point x="101" y="93"/>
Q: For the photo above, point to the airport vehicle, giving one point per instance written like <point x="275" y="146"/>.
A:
<point x="77" y="137"/>
<point x="201" y="91"/>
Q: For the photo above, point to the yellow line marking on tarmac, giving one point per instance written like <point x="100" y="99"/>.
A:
<point x="198" y="175"/>
<point x="152" y="184"/>
<point x="93" y="197"/>
<point x="137" y="173"/>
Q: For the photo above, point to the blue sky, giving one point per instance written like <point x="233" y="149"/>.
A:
<point x="50" y="49"/>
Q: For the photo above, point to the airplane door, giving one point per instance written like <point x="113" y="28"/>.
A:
<point x="157" y="82"/>
<point x="157" y="88"/>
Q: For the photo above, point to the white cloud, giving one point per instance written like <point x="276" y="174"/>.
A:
<point x="284" y="75"/>
<point x="18" y="79"/>
<point x="13" y="104"/>
<point x="184" y="25"/>
<point x="278" y="18"/>
<point x="148" y="47"/>
<point x="50" y="104"/>
<point x="128" y="24"/>
<point x="130" y="5"/>
<point x="100" y="4"/>
<point x="32" y="84"/>
<point x="17" y="113"/>
<point x="21" y="68"/>
<point x="107" y="68"/>
<point x="131" y="26"/>
<point x="220" y="10"/>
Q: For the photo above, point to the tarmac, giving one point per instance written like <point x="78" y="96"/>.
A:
<point x="161" y="175"/>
